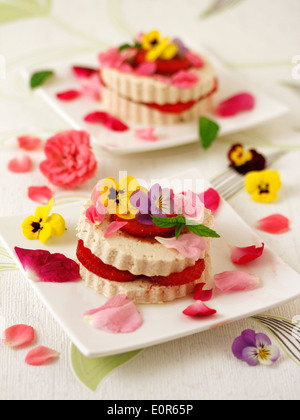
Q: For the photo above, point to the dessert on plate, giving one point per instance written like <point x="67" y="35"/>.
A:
<point x="153" y="246"/>
<point x="157" y="80"/>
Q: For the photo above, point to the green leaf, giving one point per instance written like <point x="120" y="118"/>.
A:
<point x="178" y="229"/>
<point x="22" y="9"/>
<point x="124" y="47"/>
<point x="208" y="131"/>
<point x="202" y="230"/>
<point x="37" y="79"/>
<point x="167" y="222"/>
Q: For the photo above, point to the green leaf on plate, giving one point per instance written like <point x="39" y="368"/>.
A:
<point x="208" y="131"/>
<point x="38" y="78"/>
<point x="91" y="371"/>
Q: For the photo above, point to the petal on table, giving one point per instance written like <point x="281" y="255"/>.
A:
<point x="40" y="356"/>
<point x="29" y="142"/>
<point x="20" y="164"/>
<point x="275" y="224"/>
<point x="18" y="336"/>
<point x="40" y="195"/>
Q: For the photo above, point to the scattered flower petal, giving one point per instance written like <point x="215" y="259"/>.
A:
<point x="91" y="87"/>
<point x="247" y="254"/>
<point x="94" y="216"/>
<point x="188" y="244"/>
<point x="203" y="295"/>
<point x="275" y="224"/>
<point x="185" y="79"/>
<point x="29" y="142"/>
<point x="84" y="72"/>
<point x="211" y="199"/>
<point x="42" y="266"/>
<point x="118" y="315"/>
<point x="69" y="95"/>
<point x="40" y="356"/>
<point x="110" y="122"/>
<point x="113" y="228"/>
<point x="236" y="281"/>
<point x="146" y="134"/>
<point x="18" y="336"/>
<point x="199" y="309"/>
<point x="20" y="164"/>
<point x="40" y="195"/>
<point x="236" y="104"/>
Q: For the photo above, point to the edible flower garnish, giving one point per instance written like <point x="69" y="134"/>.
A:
<point x="190" y="206"/>
<point x="244" y="161"/>
<point x="18" y="336"/>
<point x="203" y="295"/>
<point x="146" y="134"/>
<point x="158" y="47"/>
<point x="255" y="349"/>
<point x="94" y="216"/>
<point x="188" y="244"/>
<point x="275" y="224"/>
<point x="199" y="310"/>
<point x="42" y="226"/>
<point x="41" y="195"/>
<point x="235" y="281"/>
<point x="247" y="254"/>
<point x="20" y="164"/>
<point x="29" y="142"/>
<point x="211" y="199"/>
<point x="236" y="104"/>
<point x="40" y="356"/>
<point x="263" y="185"/>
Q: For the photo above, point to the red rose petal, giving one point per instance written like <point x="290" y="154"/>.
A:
<point x="236" y="104"/>
<point x="211" y="199"/>
<point x="203" y="295"/>
<point x="199" y="309"/>
<point x="275" y="224"/>
<point x="84" y="72"/>
<point x="246" y="255"/>
<point x="40" y="195"/>
<point x="28" y="142"/>
<point x="110" y="122"/>
<point x="40" y="356"/>
<point x="18" y="336"/>
<point x="69" y="95"/>
<point x="20" y="164"/>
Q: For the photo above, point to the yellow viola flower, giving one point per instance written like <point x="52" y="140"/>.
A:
<point x="42" y="226"/>
<point x="151" y="40"/>
<point x="158" y="47"/>
<point x="239" y="156"/>
<point x="263" y="185"/>
<point x="116" y="196"/>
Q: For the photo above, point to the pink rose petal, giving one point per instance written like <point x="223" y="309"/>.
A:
<point x="199" y="309"/>
<point x="42" y="266"/>
<point x="69" y="95"/>
<point x="190" y="206"/>
<point x="148" y="68"/>
<point x="185" y="79"/>
<point x="236" y="281"/>
<point x="203" y="295"/>
<point x="188" y="244"/>
<point x="146" y="134"/>
<point x="40" y="356"/>
<point x="275" y="224"/>
<point x="236" y="104"/>
<point x="247" y="254"/>
<point x="118" y="315"/>
<point x="40" y="195"/>
<point x="18" y="336"/>
<point x="20" y="164"/>
<point x="84" y="72"/>
<point x="211" y="199"/>
<point x="113" y="228"/>
<point x="29" y="142"/>
<point x="94" y="216"/>
<point x="110" y="122"/>
<point x="91" y="87"/>
<point x="195" y="59"/>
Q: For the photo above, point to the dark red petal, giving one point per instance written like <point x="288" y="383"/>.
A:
<point x="84" y="72"/>
<point x="69" y="95"/>
<point x="104" y="118"/>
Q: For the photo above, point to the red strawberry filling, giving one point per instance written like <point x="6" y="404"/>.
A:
<point x="164" y="67"/>
<point x="108" y="272"/>
<point x="135" y="228"/>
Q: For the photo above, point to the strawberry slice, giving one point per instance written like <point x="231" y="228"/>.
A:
<point x="165" y="67"/>
<point x="189" y="275"/>
<point x="137" y="229"/>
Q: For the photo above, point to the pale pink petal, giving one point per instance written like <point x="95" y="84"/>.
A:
<point x="29" y="142"/>
<point x="146" y="134"/>
<point x="40" y="195"/>
<point x="20" y="164"/>
<point x="42" y="266"/>
<point x="211" y="199"/>
<point x="125" y="68"/>
<point x="18" y="336"/>
<point x="188" y="244"/>
<point x="148" y="68"/>
<point x="203" y="295"/>
<point x="236" y="104"/>
<point x="275" y="224"/>
<point x="91" y="87"/>
<point x="190" y="206"/>
<point x="84" y="72"/>
<point x="247" y="254"/>
<point x="194" y="59"/>
<point x="113" y="228"/>
<point x="118" y="315"/>
<point x="93" y="216"/>
<point x="69" y="95"/>
<point x="110" y="58"/>
<point x="199" y="309"/>
<point x="40" y="356"/>
<point x="185" y="79"/>
<point x="236" y="281"/>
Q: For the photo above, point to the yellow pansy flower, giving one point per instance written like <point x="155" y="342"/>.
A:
<point x="239" y="156"/>
<point x="42" y="226"/>
<point x="158" y="47"/>
<point x="263" y="185"/>
<point x="116" y="196"/>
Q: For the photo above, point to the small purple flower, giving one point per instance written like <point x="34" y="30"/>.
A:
<point x="255" y="349"/>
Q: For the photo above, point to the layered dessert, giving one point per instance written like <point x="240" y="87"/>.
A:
<point x="157" y="80"/>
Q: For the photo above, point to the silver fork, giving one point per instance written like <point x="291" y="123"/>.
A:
<point x="230" y="182"/>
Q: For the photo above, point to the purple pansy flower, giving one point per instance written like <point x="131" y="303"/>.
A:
<point x="255" y="349"/>
<point x="157" y="202"/>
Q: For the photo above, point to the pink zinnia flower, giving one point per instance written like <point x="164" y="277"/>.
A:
<point x="70" y="161"/>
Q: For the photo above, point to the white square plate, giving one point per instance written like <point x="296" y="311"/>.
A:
<point x="169" y="136"/>
<point x="67" y="302"/>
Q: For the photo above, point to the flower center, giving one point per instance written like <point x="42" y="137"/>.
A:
<point x="263" y="354"/>
<point x="36" y="227"/>
<point x="264" y="189"/>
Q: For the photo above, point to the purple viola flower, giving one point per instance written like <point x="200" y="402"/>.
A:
<point x="182" y="49"/>
<point x="157" y="202"/>
<point x="255" y="349"/>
